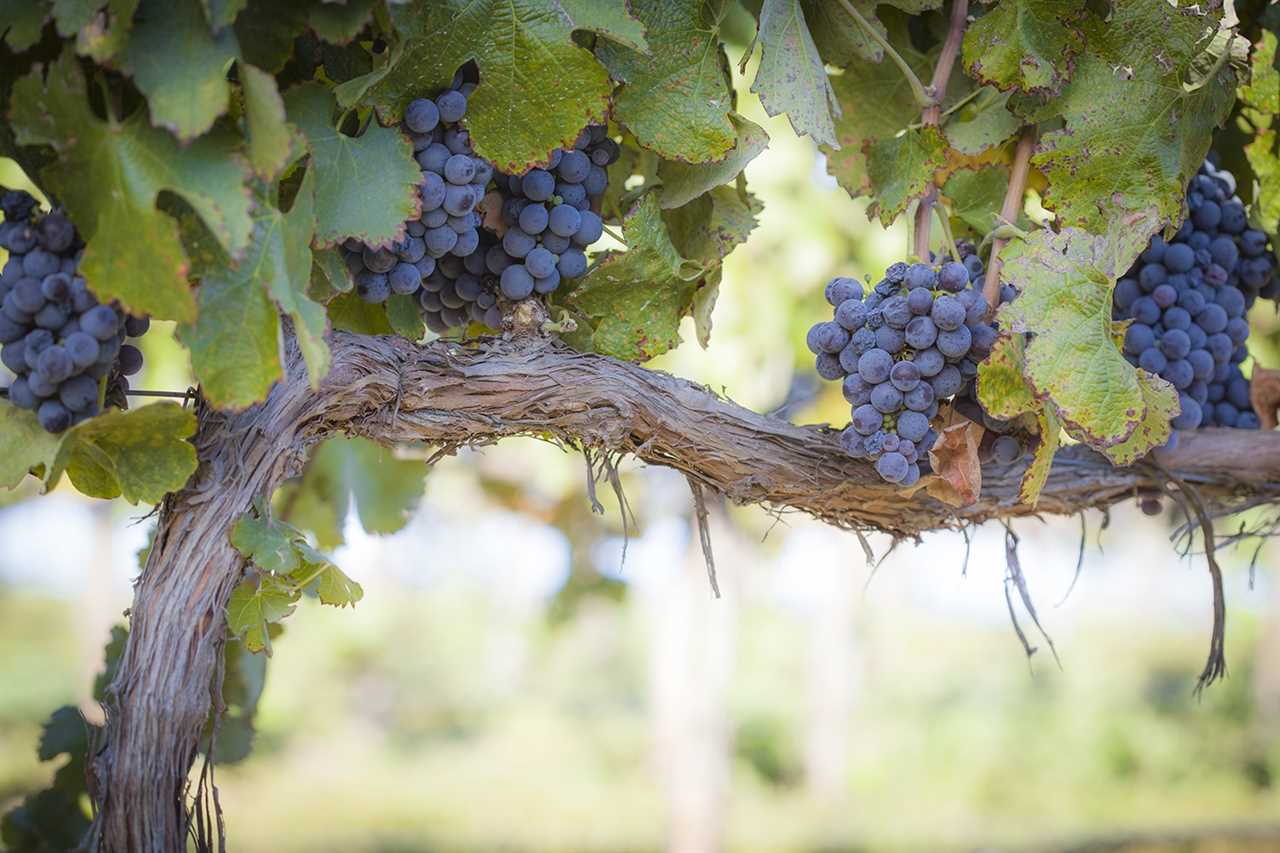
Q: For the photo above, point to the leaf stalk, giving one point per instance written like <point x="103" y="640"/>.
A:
<point x="923" y="98"/>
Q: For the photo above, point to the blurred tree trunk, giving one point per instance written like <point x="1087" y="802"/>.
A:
<point x="690" y="669"/>
<point x="1266" y="676"/>
<point x="97" y="609"/>
<point x="831" y="662"/>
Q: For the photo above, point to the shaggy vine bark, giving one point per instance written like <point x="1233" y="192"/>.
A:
<point x="450" y="394"/>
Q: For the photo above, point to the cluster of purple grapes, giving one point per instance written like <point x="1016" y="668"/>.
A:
<point x="912" y="342"/>
<point x="455" y="263"/>
<point x="60" y="343"/>
<point x="1188" y="299"/>
<point x="549" y="216"/>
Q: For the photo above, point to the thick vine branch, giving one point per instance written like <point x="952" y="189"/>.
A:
<point x="932" y="114"/>
<point x="1009" y="211"/>
<point x="449" y="394"/>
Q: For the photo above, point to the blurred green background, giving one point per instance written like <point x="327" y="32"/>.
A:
<point x="510" y="683"/>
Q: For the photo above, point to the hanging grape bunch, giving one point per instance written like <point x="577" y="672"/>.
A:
<point x="455" y="263"/>
<point x="914" y="341"/>
<point x="66" y="350"/>
<point x="1188" y="299"/>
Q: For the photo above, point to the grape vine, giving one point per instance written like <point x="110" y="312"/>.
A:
<point x="312" y="193"/>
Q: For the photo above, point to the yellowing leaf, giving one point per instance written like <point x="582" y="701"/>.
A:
<point x="1005" y="394"/>
<point x="1073" y="361"/>
<point x="142" y="454"/>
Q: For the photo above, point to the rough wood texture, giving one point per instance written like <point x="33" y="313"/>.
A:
<point x="391" y="390"/>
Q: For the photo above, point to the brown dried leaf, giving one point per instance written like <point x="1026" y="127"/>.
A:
<point x="955" y="462"/>
<point x="1264" y="394"/>
<point x="490" y="208"/>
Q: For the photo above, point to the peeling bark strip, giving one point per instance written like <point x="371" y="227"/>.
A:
<point x="391" y="390"/>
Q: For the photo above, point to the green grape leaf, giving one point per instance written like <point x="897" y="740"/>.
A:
<point x="1132" y="136"/>
<point x="633" y="161"/>
<point x="267" y="543"/>
<point x="1261" y="102"/>
<point x="108" y="176"/>
<point x="21" y="22"/>
<point x="706" y="230"/>
<point x="244" y="677"/>
<point x="180" y="65"/>
<point x="332" y="586"/>
<point x="982" y="124"/>
<point x="1005" y="394"/>
<point x="105" y="36"/>
<point x="269" y="138"/>
<point x="329" y="275"/>
<point x="976" y="197"/>
<point x="900" y="170"/>
<point x="405" y="318"/>
<point x="289" y="253"/>
<point x="64" y="733"/>
<point x="791" y="77"/>
<point x="349" y="313"/>
<point x="386" y="490"/>
<point x="839" y="38"/>
<point x="876" y="103"/>
<point x="704" y="303"/>
<point x="339" y="24"/>
<point x="266" y="30"/>
<point x="366" y="186"/>
<point x="221" y="13"/>
<point x="69" y="16"/>
<point x="1155" y="428"/>
<point x="112" y="654"/>
<point x="24" y="445"/>
<point x="529" y="67"/>
<point x="675" y="100"/>
<point x="633" y="300"/>
<point x="683" y="182"/>
<point x="1065" y="282"/>
<point x="1024" y="44"/>
<point x="257" y="603"/>
<point x="608" y="18"/>
<point x="235" y="340"/>
<point x="142" y="454"/>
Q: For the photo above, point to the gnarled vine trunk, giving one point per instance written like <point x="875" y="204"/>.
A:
<point x="391" y="390"/>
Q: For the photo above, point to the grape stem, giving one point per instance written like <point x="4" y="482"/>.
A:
<point x="946" y="232"/>
<point x="922" y="96"/>
<point x="614" y="234"/>
<point x="931" y="115"/>
<point x="1009" y="213"/>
